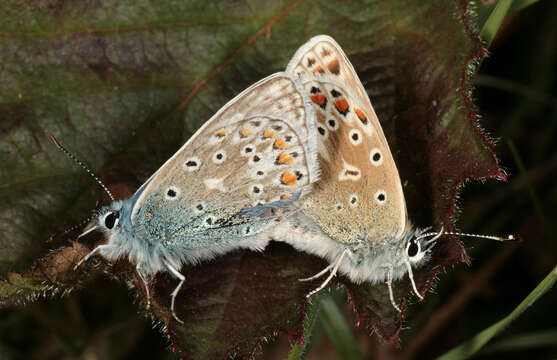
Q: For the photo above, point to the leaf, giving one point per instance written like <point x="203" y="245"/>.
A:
<point x="494" y="21"/>
<point x="52" y="273"/>
<point x="321" y="303"/>
<point x="125" y="84"/>
<point x="471" y="346"/>
<point x="338" y="330"/>
<point x="533" y="340"/>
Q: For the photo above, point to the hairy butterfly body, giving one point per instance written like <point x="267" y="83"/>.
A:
<point x="236" y="178"/>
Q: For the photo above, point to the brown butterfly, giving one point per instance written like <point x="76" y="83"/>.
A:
<point x="355" y="216"/>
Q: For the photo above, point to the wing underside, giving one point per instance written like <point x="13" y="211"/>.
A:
<point x="258" y="152"/>
<point x="359" y="195"/>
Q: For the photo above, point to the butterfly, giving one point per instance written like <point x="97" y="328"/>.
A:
<point x="355" y="216"/>
<point x="234" y="179"/>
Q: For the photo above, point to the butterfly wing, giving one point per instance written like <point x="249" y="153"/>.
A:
<point x="359" y="195"/>
<point x="237" y="174"/>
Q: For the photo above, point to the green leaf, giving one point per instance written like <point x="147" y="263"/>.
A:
<point x="519" y="5"/>
<point x="125" y="84"/>
<point x="535" y="340"/>
<point x="473" y="345"/>
<point x="338" y="331"/>
<point x="494" y="21"/>
<point x="491" y="15"/>
<point x="313" y="326"/>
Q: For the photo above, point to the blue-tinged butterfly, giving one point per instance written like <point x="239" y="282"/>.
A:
<point x="232" y="181"/>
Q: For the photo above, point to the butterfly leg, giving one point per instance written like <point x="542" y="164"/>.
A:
<point x="176" y="290"/>
<point x="390" y="286"/>
<point x="328" y="268"/>
<point x="143" y="278"/>
<point x="93" y="252"/>
<point x="319" y="274"/>
<point x="431" y="242"/>
<point x="411" y="276"/>
<point x="331" y="275"/>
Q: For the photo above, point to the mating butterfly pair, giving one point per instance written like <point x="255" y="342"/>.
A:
<point x="298" y="157"/>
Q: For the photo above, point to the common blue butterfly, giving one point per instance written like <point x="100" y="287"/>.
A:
<point x="298" y="157"/>
<point x="232" y="181"/>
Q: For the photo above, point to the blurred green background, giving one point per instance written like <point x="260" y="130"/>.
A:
<point x="517" y="97"/>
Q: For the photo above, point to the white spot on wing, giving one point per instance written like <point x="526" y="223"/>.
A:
<point x="332" y="124"/>
<point x="172" y="193"/>
<point x="255" y="159"/>
<point x="247" y="150"/>
<point x="215" y="184"/>
<point x="219" y="157"/>
<point x="355" y="136"/>
<point x="380" y="196"/>
<point x="349" y="172"/>
<point x="192" y="164"/>
<point x="256" y="190"/>
<point x="376" y="157"/>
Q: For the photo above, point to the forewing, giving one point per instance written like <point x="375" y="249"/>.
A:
<point x="359" y="194"/>
<point x="256" y="152"/>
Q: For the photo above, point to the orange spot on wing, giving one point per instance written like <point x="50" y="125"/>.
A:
<point x="285" y="196"/>
<point x="281" y="218"/>
<point x="318" y="69"/>
<point x="280" y="143"/>
<point x="246" y="131"/>
<point x="342" y="106"/>
<point x="334" y="66"/>
<point x="320" y="100"/>
<point x="222" y="133"/>
<point x="268" y="133"/>
<point x="288" y="178"/>
<point x="361" y="115"/>
<point x="284" y="158"/>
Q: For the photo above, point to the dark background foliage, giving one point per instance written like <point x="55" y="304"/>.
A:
<point x="516" y="95"/>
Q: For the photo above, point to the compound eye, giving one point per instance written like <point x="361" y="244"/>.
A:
<point x="413" y="248"/>
<point x="111" y="219"/>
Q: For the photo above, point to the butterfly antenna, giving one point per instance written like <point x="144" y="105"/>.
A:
<point x="86" y="221"/>
<point x="79" y="162"/>
<point x="489" y="237"/>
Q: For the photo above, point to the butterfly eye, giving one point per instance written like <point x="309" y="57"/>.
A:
<point x="413" y="248"/>
<point x="111" y="219"/>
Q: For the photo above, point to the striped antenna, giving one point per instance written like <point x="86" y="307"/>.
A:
<point x="489" y="237"/>
<point x="79" y="162"/>
<point x="84" y="222"/>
